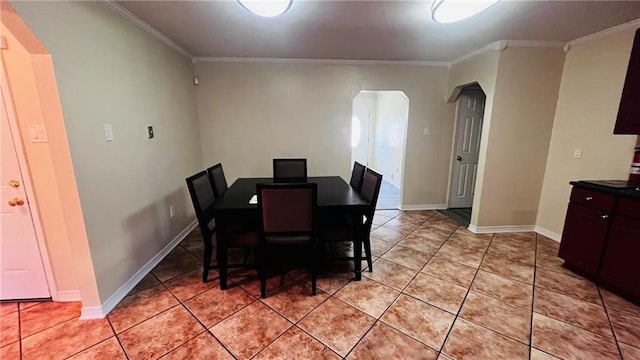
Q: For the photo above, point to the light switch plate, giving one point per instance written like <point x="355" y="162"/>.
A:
<point x="37" y="133"/>
<point x="577" y="153"/>
<point x="108" y="132"/>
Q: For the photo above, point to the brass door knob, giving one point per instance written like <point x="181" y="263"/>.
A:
<point x="16" y="201"/>
<point x="14" y="183"/>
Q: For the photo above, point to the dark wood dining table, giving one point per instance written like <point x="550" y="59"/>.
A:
<point x="335" y="196"/>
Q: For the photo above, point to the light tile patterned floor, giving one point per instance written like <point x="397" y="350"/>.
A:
<point x="437" y="291"/>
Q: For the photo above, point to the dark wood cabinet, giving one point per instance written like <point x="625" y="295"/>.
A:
<point x="621" y="266"/>
<point x="628" y="120"/>
<point x="601" y="237"/>
<point x="584" y="237"/>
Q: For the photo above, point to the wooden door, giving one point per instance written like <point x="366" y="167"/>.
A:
<point x="620" y="266"/>
<point x="583" y="238"/>
<point x="22" y="274"/>
<point x="467" y="148"/>
<point x="628" y="120"/>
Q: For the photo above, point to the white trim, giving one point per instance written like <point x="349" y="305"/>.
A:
<point x="548" y="233"/>
<point x="91" y="313"/>
<point x="99" y="312"/>
<point x="535" y="44"/>
<point x="120" y="10"/>
<point x="604" y="33"/>
<point x="495" y="46"/>
<point x="503" y="44"/>
<point x="320" y="61"/>
<point x="68" y="296"/>
<point x="500" y="229"/>
<point x="422" y="207"/>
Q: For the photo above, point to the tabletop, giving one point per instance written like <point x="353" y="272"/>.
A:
<point x="333" y="193"/>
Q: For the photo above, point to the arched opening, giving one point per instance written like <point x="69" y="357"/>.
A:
<point x="378" y="139"/>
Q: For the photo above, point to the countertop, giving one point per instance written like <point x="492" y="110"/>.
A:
<point x="617" y="187"/>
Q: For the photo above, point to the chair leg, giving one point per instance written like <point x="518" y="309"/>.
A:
<point x="208" y="251"/>
<point x="262" y="273"/>
<point x="314" y="268"/>
<point x="367" y="250"/>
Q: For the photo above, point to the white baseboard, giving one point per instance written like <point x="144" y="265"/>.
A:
<point x="67" y="296"/>
<point x="99" y="312"/>
<point x="548" y="233"/>
<point x="500" y="229"/>
<point x="422" y="207"/>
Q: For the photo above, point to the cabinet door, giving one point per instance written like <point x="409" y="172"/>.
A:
<point x="628" y="121"/>
<point x="583" y="238"/>
<point x="621" y="266"/>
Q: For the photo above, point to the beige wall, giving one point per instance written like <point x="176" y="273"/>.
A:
<point x="250" y="113"/>
<point x="521" y="85"/>
<point x="111" y="72"/>
<point x="588" y="102"/>
<point x="520" y="128"/>
<point x="391" y="128"/>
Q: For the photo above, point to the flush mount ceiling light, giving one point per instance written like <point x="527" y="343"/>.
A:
<point x="448" y="11"/>
<point x="266" y="8"/>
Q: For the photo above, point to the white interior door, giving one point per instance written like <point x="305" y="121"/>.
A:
<point x="360" y="127"/>
<point x="22" y="274"/>
<point x="467" y="147"/>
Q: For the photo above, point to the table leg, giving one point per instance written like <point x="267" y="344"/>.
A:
<point x="221" y="251"/>
<point x="357" y="249"/>
<point x="208" y="251"/>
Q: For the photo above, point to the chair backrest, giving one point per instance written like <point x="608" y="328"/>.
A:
<point x="287" y="209"/>
<point x="357" y="175"/>
<point x="202" y="196"/>
<point x="370" y="191"/>
<point x="217" y="179"/>
<point x="289" y="170"/>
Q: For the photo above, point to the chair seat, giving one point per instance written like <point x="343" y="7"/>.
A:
<point x="239" y="239"/>
<point x="288" y="240"/>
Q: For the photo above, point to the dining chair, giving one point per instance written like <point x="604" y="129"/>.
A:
<point x="217" y="179"/>
<point x="289" y="170"/>
<point x="340" y="230"/>
<point x="357" y="175"/>
<point x="202" y="197"/>
<point x="287" y="214"/>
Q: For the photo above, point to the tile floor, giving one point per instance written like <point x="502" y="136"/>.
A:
<point x="437" y="292"/>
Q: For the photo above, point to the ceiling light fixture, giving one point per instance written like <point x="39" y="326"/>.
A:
<point x="448" y="11"/>
<point x="266" y="8"/>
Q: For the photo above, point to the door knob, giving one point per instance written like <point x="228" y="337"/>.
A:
<point x="16" y="201"/>
<point x="14" y="183"/>
<point x="459" y="158"/>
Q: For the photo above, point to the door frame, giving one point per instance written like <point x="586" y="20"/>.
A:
<point x="370" y="122"/>
<point x="16" y="133"/>
<point x="454" y="142"/>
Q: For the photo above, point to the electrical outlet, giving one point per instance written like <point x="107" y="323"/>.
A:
<point x="172" y="213"/>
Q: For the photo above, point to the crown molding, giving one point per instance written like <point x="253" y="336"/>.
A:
<point x="496" y="46"/>
<point x="501" y="45"/>
<point x="604" y="33"/>
<point x="535" y="44"/>
<point x="320" y="61"/>
<point x="120" y="10"/>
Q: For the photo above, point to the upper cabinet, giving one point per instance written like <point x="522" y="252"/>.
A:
<point x="628" y="121"/>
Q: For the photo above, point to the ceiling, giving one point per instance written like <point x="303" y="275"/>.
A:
<point x="370" y="30"/>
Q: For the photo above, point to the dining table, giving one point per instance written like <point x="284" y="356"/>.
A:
<point x="335" y="197"/>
